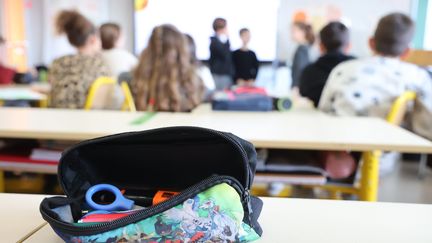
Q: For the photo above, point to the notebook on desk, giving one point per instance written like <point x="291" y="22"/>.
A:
<point x="13" y="93"/>
<point x="297" y="167"/>
<point x="289" y="166"/>
<point x="25" y="156"/>
<point x="290" y="178"/>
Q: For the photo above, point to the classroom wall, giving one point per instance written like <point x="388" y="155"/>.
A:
<point x="121" y="12"/>
<point x="1" y="19"/>
<point x="427" y="27"/>
<point x="45" y="45"/>
<point x="34" y="16"/>
<point x="359" y="15"/>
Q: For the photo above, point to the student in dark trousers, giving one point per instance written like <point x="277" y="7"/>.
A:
<point x="245" y="61"/>
<point x="303" y="35"/>
<point x="334" y="44"/>
<point x="220" y="62"/>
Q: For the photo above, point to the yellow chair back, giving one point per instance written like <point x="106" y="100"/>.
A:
<point x="99" y="93"/>
<point x="399" y="107"/>
<point x="367" y="188"/>
<point x="129" y="103"/>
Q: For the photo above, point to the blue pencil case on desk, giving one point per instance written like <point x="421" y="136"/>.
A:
<point x="178" y="184"/>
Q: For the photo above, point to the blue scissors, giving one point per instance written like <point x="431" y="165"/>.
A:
<point x="120" y="202"/>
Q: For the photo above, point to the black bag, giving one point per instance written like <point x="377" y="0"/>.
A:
<point x="212" y="170"/>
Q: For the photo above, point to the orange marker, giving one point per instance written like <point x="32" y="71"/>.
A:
<point x="161" y="196"/>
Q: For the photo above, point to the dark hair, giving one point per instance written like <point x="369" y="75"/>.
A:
<point x="334" y="36"/>
<point x="393" y="34"/>
<point x="77" y="27"/>
<point x="243" y="30"/>
<point x="192" y="50"/>
<point x="307" y="29"/>
<point x="109" y="33"/>
<point x="2" y="40"/>
<point x="219" y="23"/>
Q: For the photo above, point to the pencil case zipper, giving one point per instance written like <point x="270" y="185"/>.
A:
<point x="159" y="208"/>
<point x="230" y="139"/>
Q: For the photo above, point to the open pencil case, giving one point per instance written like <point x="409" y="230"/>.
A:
<point x="211" y="172"/>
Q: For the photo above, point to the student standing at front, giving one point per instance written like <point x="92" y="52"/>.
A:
<point x="221" y="65"/>
<point x="303" y="35"/>
<point x="245" y="61"/>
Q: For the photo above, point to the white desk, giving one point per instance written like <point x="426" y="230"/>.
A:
<point x="19" y="215"/>
<point x="306" y="220"/>
<point x="20" y="92"/>
<point x="303" y="130"/>
<point x="300" y="129"/>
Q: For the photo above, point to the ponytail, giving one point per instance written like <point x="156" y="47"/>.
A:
<point x="77" y="27"/>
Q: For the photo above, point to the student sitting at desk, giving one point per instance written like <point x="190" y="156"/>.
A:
<point x="334" y="44"/>
<point x="368" y="87"/>
<point x="118" y="59"/>
<point x="71" y="76"/>
<point x="6" y="73"/>
<point x="165" y="79"/>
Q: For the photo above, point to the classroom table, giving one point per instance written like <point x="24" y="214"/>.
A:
<point x="286" y="220"/>
<point x="298" y="129"/>
<point x="19" y="216"/>
<point x="25" y="92"/>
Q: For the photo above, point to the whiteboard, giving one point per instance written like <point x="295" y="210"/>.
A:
<point x="195" y="17"/>
<point x="55" y="45"/>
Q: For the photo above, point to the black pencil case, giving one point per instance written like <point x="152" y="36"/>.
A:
<point x="212" y="172"/>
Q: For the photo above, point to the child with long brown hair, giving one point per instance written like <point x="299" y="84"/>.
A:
<point x="165" y="79"/>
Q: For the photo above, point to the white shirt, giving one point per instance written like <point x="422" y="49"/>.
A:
<point x="119" y="60"/>
<point x="369" y="86"/>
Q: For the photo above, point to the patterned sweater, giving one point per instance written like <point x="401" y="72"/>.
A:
<point x="368" y="87"/>
<point x="71" y="77"/>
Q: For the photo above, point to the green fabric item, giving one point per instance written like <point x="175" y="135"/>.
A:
<point x="143" y="119"/>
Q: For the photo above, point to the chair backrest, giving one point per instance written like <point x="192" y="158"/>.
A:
<point x="399" y="107"/>
<point x="100" y="93"/>
<point x="419" y="57"/>
<point x="129" y="103"/>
